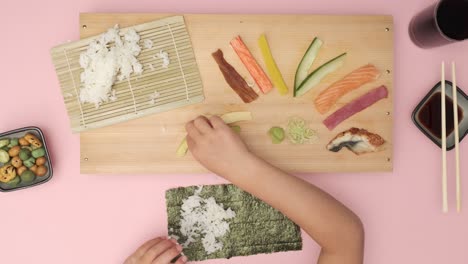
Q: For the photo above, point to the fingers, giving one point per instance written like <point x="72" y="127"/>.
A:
<point x="217" y="122"/>
<point x="181" y="260"/>
<point x="190" y="142"/>
<point x="192" y="131"/>
<point x="168" y="255"/>
<point x="160" y="249"/>
<point x="202" y="124"/>
<point x="146" y="246"/>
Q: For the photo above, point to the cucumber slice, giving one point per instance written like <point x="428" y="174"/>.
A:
<point x="316" y="76"/>
<point x="236" y="129"/>
<point x="306" y="62"/>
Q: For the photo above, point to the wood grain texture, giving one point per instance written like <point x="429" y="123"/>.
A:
<point x="148" y="144"/>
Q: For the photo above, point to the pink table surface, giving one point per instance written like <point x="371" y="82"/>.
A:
<point x="101" y="219"/>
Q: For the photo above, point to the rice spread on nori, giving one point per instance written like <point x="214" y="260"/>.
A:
<point x="256" y="227"/>
<point x="205" y="218"/>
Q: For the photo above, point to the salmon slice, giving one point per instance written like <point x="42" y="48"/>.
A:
<point x="357" y="78"/>
<point x="251" y="64"/>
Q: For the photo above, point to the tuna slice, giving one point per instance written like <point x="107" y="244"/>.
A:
<point x="357" y="78"/>
<point x="356" y="106"/>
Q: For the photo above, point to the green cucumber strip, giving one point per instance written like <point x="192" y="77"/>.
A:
<point x="306" y="62"/>
<point x="236" y="129"/>
<point x="316" y="76"/>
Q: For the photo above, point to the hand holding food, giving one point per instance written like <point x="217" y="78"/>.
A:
<point x="160" y="250"/>
<point x="215" y="145"/>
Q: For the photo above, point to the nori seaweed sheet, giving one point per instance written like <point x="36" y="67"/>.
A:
<point x="257" y="227"/>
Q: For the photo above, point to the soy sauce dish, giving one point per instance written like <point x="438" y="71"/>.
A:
<point x="24" y="159"/>
<point x="427" y="115"/>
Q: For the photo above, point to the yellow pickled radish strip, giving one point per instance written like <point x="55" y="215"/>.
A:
<point x="271" y="66"/>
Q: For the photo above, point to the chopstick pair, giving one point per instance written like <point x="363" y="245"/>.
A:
<point x="444" y="140"/>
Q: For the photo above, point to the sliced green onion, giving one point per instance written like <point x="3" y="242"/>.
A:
<point x="299" y="132"/>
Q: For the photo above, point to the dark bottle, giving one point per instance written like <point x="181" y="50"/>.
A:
<point x="442" y="23"/>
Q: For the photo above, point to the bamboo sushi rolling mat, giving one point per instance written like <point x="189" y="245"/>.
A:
<point x="178" y="85"/>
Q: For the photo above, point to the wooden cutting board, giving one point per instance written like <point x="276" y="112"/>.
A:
<point x="148" y="144"/>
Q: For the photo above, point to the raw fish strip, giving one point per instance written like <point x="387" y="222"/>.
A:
<point x="234" y="79"/>
<point x="357" y="78"/>
<point x="251" y="64"/>
<point x="356" y="106"/>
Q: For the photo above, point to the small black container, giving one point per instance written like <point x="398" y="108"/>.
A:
<point x="463" y="122"/>
<point x="18" y="133"/>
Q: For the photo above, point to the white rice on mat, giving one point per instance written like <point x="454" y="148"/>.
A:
<point x="113" y="96"/>
<point x="104" y="64"/>
<point x="148" y="43"/>
<point x="153" y="97"/>
<point x="206" y="219"/>
<point x="164" y="56"/>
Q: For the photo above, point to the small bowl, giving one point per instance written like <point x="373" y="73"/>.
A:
<point x="18" y="133"/>
<point x="463" y="123"/>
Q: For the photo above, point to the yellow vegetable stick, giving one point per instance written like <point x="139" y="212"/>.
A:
<point x="227" y="118"/>
<point x="271" y="66"/>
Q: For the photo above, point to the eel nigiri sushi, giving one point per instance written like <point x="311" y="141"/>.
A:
<point x="328" y="97"/>
<point x="359" y="141"/>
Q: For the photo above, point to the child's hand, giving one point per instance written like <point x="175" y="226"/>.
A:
<point x="215" y="145"/>
<point x="157" y="251"/>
